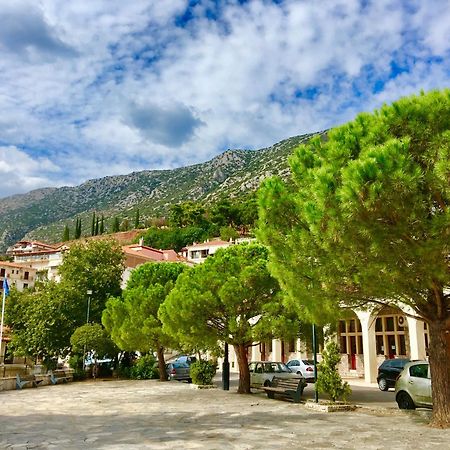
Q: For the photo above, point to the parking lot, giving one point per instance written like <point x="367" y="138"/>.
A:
<point x="149" y="414"/>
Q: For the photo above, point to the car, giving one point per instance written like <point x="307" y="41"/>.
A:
<point x="413" y="386"/>
<point x="262" y="373"/>
<point x="179" y="371"/>
<point x="186" y="359"/>
<point x="304" y="367"/>
<point x="389" y="371"/>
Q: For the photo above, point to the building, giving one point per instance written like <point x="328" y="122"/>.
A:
<point x="45" y="258"/>
<point x="197" y="253"/>
<point x="137" y="254"/>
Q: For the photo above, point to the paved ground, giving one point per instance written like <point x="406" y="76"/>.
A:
<point x="150" y="414"/>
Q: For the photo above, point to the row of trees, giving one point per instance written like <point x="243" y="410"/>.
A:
<point x="230" y="298"/>
<point x="98" y="226"/>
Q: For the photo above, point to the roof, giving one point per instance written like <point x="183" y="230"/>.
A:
<point x="15" y="265"/>
<point x="212" y="243"/>
<point x="151" y="254"/>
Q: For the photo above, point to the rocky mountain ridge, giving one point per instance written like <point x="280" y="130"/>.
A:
<point x="43" y="213"/>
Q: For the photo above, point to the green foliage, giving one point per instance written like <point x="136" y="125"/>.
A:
<point x="174" y="238"/>
<point x="137" y="220"/>
<point x="66" y="234"/>
<point x="102" y="225"/>
<point x="115" y="225"/>
<point x="187" y="214"/>
<point x="367" y="217"/>
<point x="202" y="372"/>
<point x="328" y="379"/>
<point x="76" y="363"/>
<point x="43" y="320"/>
<point x="229" y="298"/>
<point x="145" y="368"/>
<point x="77" y="233"/>
<point x="125" y="225"/>
<point x="94" y="265"/>
<point x="228" y="233"/>
<point x="132" y="319"/>
<point x="93" y="224"/>
<point x="94" y="339"/>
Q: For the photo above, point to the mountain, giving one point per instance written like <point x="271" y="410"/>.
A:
<point x="42" y="214"/>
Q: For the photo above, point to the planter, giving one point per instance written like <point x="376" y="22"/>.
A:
<point x="328" y="407"/>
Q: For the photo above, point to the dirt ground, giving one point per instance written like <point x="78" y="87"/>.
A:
<point x="149" y="414"/>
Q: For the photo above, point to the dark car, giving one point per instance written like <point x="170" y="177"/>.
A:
<point x="389" y="371"/>
<point x="179" y="371"/>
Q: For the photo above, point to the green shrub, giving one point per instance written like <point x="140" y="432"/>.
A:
<point x="145" y="368"/>
<point x="328" y="379"/>
<point x="76" y="363"/>
<point x="202" y="372"/>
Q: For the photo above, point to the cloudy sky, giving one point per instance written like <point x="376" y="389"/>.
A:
<point x="90" y="88"/>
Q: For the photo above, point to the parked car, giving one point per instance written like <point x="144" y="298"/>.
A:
<point x="185" y="359"/>
<point x="262" y="373"/>
<point x="304" y="367"/>
<point x="389" y="371"/>
<point x="413" y="386"/>
<point x="179" y="371"/>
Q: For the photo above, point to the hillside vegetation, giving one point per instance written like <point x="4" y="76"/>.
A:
<point x="42" y="214"/>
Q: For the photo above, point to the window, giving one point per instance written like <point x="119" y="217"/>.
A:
<point x="419" y="371"/>
<point x="26" y="275"/>
<point x="291" y="346"/>
<point x="2" y="272"/>
<point x="251" y="367"/>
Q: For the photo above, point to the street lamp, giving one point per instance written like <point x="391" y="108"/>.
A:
<point x="314" y="345"/>
<point x="89" y="293"/>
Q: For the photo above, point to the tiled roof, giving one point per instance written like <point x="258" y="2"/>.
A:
<point x="15" y="265"/>
<point x="212" y="243"/>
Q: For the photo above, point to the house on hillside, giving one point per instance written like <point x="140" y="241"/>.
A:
<point x="198" y="252"/>
<point x="44" y="258"/>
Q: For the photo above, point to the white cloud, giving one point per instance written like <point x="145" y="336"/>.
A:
<point x="107" y="86"/>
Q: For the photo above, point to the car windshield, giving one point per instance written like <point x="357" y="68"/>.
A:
<point x="308" y="362"/>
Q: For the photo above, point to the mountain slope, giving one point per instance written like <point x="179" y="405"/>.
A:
<point x="42" y="214"/>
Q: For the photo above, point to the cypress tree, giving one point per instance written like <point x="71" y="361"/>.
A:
<point x="97" y="222"/>
<point x="93" y="224"/>
<point x="115" y="225"/>
<point x="136" y="220"/>
<point x="66" y="234"/>
<point x="102" y="225"/>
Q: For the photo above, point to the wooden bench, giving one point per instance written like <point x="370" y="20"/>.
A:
<point x="22" y="381"/>
<point x="60" y="376"/>
<point x="286" y="387"/>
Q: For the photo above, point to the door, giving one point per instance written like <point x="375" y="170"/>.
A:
<point x="420" y="384"/>
<point x="256" y="377"/>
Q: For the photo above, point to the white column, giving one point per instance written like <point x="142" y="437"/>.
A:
<point x="369" y="345"/>
<point x="416" y="338"/>
<point x="256" y="354"/>
<point x="276" y="350"/>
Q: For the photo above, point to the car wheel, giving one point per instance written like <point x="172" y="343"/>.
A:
<point x="382" y="384"/>
<point x="404" y="401"/>
<point x="267" y="383"/>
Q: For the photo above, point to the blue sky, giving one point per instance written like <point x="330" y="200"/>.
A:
<point x="102" y="87"/>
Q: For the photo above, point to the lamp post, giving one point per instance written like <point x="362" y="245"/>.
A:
<point x="314" y="345"/>
<point x="89" y="293"/>
<point x="226" y="370"/>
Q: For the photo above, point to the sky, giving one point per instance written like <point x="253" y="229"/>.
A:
<point x="91" y="88"/>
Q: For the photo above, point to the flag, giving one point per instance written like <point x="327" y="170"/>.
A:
<point x="5" y="287"/>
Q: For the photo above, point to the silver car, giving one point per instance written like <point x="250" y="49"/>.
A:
<point x="179" y="371"/>
<point x="305" y="367"/>
<point x="413" y="386"/>
<point x="262" y="372"/>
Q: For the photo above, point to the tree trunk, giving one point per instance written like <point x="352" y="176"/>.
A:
<point x="244" y="374"/>
<point x="440" y="373"/>
<point x="162" y="365"/>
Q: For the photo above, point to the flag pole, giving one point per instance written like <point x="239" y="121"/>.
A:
<point x="1" y="325"/>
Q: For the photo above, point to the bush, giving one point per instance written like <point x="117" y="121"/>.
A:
<point x="76" y="363"/>
<point x="145" y="368"/>
<point x="328" y="379"/>
<point x="202" y="372"/>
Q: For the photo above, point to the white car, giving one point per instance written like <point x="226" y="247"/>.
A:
<point x="304" y="367"/>
<point x="262" y="372"/>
